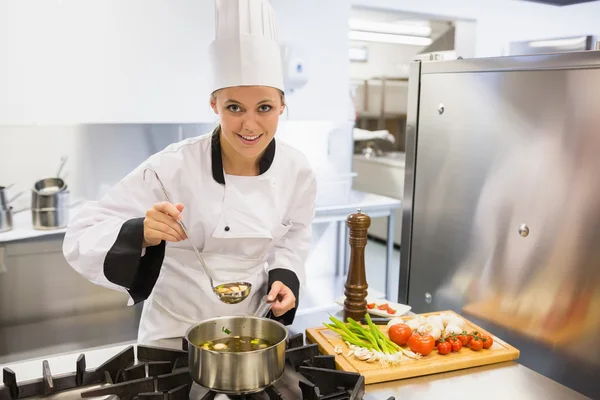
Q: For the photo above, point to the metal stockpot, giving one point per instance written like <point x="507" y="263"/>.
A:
<point x="4" y="202"/>
<point x="50" y="218"/>
<point x="59" y="199"/>
<point x="6" y="221"/>
<point x="237" y="373"/>
<point x="49" y="186"/>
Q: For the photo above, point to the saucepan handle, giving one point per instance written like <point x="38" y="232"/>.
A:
<point x="264" y="308"/>
<point x="16" y="196"/>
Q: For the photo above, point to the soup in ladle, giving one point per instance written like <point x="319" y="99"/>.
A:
<point x="233" y="293"/>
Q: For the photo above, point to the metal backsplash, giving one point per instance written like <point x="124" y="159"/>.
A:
<point x="501" y="217"/>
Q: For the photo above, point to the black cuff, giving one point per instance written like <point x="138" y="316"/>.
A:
<point x="289" y="279"/>
<point x="124" y="265"/>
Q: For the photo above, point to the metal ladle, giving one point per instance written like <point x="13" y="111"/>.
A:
<point x="234" y="297"/>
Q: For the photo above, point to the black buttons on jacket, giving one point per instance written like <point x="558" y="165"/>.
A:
<point x="227" y="229"/>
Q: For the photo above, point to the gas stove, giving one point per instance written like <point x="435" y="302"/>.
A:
<point x="163" y="374"/>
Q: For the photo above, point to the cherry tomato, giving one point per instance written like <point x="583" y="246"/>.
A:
<point x="456" y="346"/>
<point x="476" y="344"/>
<point x="383" y="306"/>
<point x="465" y="339"/>
<point x="371" y="306"/>
<point x="444" y="347"/>
<point x="391" y="310"/>
<point x="422" y="344"/>
<point x="487" y="341"/>
<point x="399" y="334"/>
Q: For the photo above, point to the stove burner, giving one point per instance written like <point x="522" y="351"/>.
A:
<point x="163" y="374"/>
<point x="270" y="393"/>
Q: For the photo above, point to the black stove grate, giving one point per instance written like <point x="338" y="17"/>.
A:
<point x="270" y="393"/>
<point x="118" y="377"/>
<point x="163" y="374"/>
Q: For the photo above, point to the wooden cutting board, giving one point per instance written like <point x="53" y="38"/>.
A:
<point x="433" y="363"/>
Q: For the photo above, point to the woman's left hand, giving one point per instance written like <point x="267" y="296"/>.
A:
<point x="283" y="297"/>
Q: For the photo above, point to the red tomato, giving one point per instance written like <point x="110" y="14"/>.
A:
<point x="399" y="334"/>
<point x="422" y="344"/>
<point x="371" y="306"/>
<point x="465" y="339"/>
<point x="476" y="344"/>
<point x="444" y="347"/>
<point x="391" y="310"/>
<point x="383" y="306"/>
<point x="455" y="343"/>
<point x="487" y="341"/>
<point x="456" y="346"/>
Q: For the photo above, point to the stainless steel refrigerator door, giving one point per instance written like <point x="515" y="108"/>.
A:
<point x="504" y="217"/>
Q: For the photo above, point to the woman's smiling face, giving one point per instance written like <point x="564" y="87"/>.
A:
<point x="249" y="117"/>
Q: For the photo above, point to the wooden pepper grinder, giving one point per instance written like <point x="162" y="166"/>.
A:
<point x="355" y="304"/>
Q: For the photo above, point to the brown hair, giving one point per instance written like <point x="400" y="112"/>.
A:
<point x="213" y="96"/>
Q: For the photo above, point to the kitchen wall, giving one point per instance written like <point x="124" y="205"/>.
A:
<point x="68" y="61"/>
<point x="383" y="59"/>
<point x="99" y="82"/>
<point x="319" y="30"/>
<point x="144" y="61"/>
<point x="501" y="21"/>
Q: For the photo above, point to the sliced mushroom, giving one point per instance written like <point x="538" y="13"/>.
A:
<point x="365" y="357"/>
<point x="361" y="352"/>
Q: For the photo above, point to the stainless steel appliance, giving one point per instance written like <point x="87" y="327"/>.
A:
<point x="554" y="45"/>
<point x="501" y="217"/>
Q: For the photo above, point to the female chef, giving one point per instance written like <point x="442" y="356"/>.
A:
<point x="247" y="199"/>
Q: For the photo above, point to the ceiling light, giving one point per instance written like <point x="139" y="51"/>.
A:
<point x="558" y="42"/>
<point x="388" y="38"/>
<point x="386" y="27"/>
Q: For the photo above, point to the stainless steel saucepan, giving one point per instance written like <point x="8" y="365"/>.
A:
<point x="6" y="219"/>
<point x="50" y="202"/>
<point x="6" y="211"/>
<point x="238" y="373"/>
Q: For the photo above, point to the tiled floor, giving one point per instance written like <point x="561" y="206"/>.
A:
<point x="324" y="290"/>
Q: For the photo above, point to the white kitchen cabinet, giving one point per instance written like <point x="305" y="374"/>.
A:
<point x="382" y="175"/>
<point x="67" y="61"/>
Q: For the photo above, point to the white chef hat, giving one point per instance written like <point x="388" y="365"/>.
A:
<point x="245" y="51"/>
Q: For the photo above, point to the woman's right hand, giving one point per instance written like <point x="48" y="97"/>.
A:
<point x="161" y="224"/>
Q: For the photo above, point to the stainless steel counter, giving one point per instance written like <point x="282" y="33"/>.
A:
<point x="501" y="204"/>
<point x="508" y="380"/>
<point x="499" y="381"/>
<point x="375" y="206"/>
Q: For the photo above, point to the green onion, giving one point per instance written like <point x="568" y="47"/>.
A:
<point x="369" y="337"/>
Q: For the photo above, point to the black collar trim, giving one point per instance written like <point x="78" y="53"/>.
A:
<point x="217" y="158"/>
